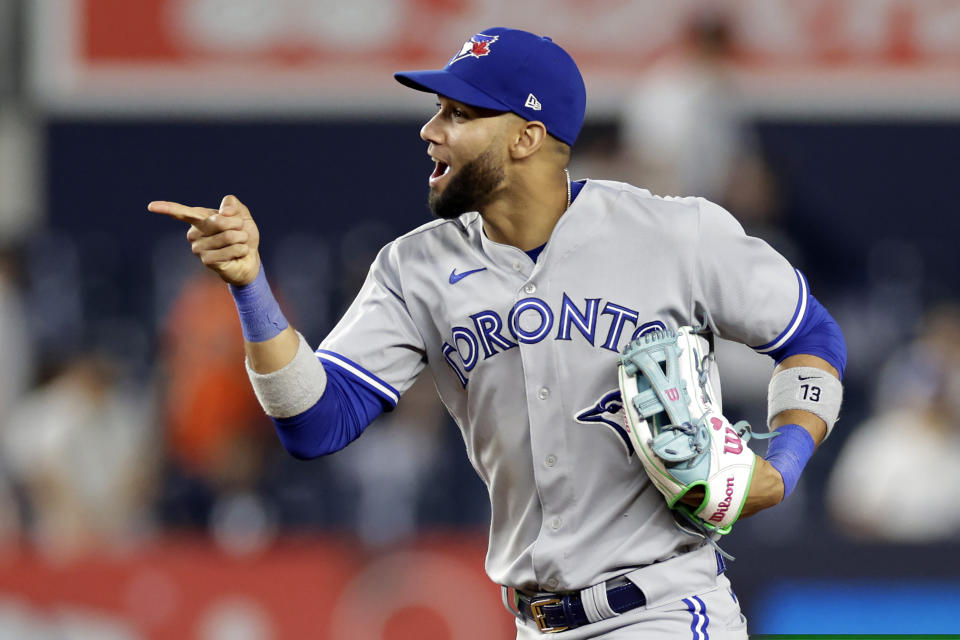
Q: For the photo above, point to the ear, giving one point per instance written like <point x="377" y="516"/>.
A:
<point x="527" y="139"/>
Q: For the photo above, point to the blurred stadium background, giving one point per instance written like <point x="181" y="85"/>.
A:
<point x="143" y="494"/>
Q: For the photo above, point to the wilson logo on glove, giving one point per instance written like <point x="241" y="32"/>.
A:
<point x="733" y="443"/>
<point x="724" y="505"/>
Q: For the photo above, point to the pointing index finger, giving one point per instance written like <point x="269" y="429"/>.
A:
<point x="191" y="215"/>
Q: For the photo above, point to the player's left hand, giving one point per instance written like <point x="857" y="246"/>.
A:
<point x="225" y="239"/>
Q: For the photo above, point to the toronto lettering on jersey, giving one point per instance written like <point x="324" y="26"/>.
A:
<point x="532" y="320"/>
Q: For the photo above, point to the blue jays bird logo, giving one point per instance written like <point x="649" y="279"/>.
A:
<point x="608" y="411"/>
<point x="476" y="47"/>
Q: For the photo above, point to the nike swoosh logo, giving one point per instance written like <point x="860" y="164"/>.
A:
<point x="457" y="277"/>
<point x="809" y="377"/>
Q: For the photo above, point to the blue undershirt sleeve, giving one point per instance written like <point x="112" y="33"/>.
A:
<point x="345" y="409"/>
<point x="818" y="335"/>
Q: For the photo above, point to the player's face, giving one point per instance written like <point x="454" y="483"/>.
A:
<point x="464" y="145"/>
<point x="469" y="188"/>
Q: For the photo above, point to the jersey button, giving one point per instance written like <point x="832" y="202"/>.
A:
<point x="550" y="460"/>
<point x="552" y="583"/>
<point x="544" y="393"/>
<point x="556" y="523"/>
<point x="517" y="266"/>
<point x="530" y="288"/>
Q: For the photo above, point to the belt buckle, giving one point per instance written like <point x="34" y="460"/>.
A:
<point x="536" y="607"/>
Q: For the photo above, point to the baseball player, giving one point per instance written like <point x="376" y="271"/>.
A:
<point x="520" y="298"/>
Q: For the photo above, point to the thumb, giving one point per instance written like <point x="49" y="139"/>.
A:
<point x="229" y="206"/>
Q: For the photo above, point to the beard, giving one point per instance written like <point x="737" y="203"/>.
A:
<point x="469" y="189"/>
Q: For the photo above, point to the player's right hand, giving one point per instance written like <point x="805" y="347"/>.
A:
<point x="225" y="239"/>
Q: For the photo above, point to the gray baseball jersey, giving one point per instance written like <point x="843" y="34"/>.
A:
<point x="524" y="355"/>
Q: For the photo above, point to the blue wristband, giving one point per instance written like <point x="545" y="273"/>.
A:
<point x="789" y="453"/>
<point x="260" y="314"/>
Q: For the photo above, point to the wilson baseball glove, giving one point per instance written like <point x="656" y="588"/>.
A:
<point x="678" y="430"/>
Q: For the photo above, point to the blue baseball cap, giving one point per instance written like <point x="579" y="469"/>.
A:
<point x="512" y="70"/>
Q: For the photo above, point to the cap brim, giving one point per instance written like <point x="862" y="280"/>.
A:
<point x="444" y="83"/>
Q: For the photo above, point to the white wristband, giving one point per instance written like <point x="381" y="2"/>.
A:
<point x="806" y="388"/>
<point x="292" y="389"/>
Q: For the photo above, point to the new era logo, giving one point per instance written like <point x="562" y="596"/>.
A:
<point x="533" y="103"/>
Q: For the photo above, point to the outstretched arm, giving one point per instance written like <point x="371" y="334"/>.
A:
<point x="227" y="241"/>
<point x="315" y="411"/>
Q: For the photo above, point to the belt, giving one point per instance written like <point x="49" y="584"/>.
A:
<point x="555" y="612"/>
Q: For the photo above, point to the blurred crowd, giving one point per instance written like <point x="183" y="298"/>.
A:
<point x="115" y="431"/>
<point x="98" y="451"/>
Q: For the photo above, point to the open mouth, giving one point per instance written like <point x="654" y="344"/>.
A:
<point x="439" y="172"/>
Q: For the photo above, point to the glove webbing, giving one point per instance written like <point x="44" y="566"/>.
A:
<point x="647" y="403"/>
